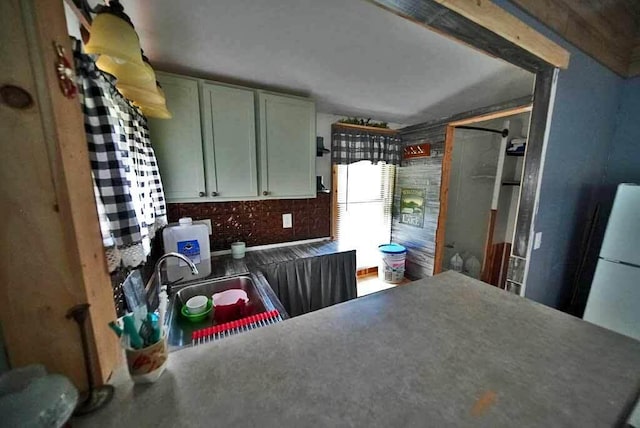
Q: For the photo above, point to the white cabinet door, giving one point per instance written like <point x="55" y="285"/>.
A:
<point x="229" y="129"/>
<point x="178" y="141"/>
<point x="287" y="146"/>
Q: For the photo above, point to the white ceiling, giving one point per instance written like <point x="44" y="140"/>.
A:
<point x="352" y="57"/>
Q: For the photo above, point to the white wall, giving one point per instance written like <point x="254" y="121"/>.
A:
<point x="73" y="24"/>
<point x="323" y="129"/>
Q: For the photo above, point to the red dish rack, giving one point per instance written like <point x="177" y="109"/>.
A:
<point x="228" y="329"/>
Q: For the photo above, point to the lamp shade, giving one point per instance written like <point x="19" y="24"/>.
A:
<point x="111" y="35"/>
<point x="151" y="101"/>
<point x="157" y="112"/>
<point x="128" y="73"/>
<point x="142" y="95"/>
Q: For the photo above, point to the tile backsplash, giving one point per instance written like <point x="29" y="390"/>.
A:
<point x="259" y="222"/>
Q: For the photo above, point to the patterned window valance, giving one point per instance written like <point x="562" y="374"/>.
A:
<point x="349" y="145"/>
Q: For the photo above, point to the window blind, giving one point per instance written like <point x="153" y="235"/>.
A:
<point x="364" y="205"/>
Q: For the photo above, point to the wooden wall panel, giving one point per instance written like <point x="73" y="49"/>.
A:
<point x="533" y="162"/>
<point x="634" y="68"/>
<point x="51" y="255"/>
<point x="421" y="173"/>
<point x="607" y="30"/>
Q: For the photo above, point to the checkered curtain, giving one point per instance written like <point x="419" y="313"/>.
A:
<point x="353" y="146"/>
<point x="127" y="186"/>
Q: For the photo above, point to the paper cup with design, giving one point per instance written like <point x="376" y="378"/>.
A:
<point x="147" y="364"/>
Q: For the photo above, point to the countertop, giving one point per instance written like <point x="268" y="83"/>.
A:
<point x="442" y="351"/>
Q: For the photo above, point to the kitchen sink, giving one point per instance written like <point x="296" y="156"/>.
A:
<point x="180" y="329"/>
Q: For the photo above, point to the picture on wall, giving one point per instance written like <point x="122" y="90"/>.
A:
<point x="412" y="207"/>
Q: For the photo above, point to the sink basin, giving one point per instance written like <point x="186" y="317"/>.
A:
<point x="180" y="329"/>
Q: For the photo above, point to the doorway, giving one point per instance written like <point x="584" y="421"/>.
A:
<point x="482" y="173"/>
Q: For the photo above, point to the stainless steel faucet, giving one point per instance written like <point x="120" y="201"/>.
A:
<point x="187" y="260"/>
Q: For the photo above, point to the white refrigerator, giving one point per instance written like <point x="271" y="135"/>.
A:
<point x="614" y="299"/>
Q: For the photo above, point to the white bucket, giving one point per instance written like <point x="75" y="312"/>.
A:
<point x="392" y="263"/>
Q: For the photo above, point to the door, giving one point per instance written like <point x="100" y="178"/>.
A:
<point x="229" y="130"/>
<point x="178" y="141"/>
<point x="287" y="146"/>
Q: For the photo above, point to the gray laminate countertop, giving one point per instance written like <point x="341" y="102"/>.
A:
<point x="443" y="351"/>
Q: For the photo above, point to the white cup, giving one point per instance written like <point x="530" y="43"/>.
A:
<point x="237" y="250"/>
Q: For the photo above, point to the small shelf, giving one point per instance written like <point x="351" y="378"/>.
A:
<point x="510" y="183"/>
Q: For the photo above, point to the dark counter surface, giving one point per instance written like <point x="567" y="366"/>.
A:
<point x="443" y="351"/>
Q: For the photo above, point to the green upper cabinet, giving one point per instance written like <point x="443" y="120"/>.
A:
<point x="229" y="129"/>
<point x="178" y="141"/>
<point x="222" y="145"/>
<point x="287" y="146"/>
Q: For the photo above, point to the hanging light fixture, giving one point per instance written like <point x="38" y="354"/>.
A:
<point x="152" y="103"/>
<point x="127" y="72"/>
<point x="157" y="112"/>
<point x="114" y="38"/>
<point x="112" y="34"/>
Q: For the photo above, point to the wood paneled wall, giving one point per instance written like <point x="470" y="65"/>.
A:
<point x="420" y="173"/>
<point x="607" y="30"/>
<point x="634" y="68"/>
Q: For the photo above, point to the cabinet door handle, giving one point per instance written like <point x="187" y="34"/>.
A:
<point x="265" y="193"/>
<point x="202" y="194"/>
<point x="214" y="193"/>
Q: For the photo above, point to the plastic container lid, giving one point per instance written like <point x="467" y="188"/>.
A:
<point x="230" y="297"/>
<point x="185" y="221"/>
<point x="392" y="249"/>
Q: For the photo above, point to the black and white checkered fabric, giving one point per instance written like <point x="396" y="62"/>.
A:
<point x="354" y="146"/>
<point x="129" y="193"/>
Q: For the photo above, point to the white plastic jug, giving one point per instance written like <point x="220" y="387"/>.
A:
<point x="472" y="266"/>
<point x="191" y="240"/>
<point x="456" y="263"/>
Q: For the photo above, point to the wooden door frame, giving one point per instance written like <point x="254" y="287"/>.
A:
<point x="51" y="210"/>
<point x="446" y="176"/>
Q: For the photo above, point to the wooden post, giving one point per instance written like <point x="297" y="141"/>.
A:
<point x="51" y="255"/>
<point x="444" y="195"/>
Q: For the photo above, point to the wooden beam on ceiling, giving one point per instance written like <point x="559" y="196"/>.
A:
<point x="485" y="27"/>
<point x="604" y="29"/>
<point x="486" y="14"/>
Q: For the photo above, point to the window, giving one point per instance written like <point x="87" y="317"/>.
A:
<point x="363" y="212"/>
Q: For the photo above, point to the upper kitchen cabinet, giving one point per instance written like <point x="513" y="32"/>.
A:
<point x="178" y="141"/>
<point x="229" y="129"/>
<point x="287" y="146"/>
<point x="211" y="150"/>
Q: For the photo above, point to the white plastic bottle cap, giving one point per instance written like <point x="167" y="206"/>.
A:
<point x="185" y="221"/>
